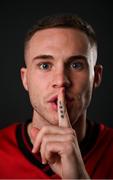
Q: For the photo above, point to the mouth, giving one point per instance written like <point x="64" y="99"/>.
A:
<point x="54" y="102"/>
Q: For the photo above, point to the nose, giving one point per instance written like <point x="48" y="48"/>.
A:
<point x="61" y="79"/>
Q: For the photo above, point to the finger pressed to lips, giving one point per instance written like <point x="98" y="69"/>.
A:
<point x="62" y="111"/>
<point x="64" y="123"/>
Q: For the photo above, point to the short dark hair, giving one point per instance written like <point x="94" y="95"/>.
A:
<point x="62" y="21"/>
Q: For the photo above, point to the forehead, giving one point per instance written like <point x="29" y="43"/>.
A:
<point x="54" y="35"/>
<point x="63" y="41"/>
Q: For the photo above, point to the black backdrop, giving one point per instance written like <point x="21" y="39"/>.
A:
<point x="15" y="19"/>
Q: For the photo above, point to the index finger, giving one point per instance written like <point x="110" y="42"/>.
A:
<point x="63" y="116"/>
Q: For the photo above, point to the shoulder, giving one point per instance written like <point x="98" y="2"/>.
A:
<point x="8" y="134"/>
<point x="105" y="137"/>
<point x="8" y="129"/>
<point x="105" y="131"/>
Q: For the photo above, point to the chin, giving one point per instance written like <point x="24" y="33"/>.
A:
<point x="53" y="116"/>
<point x="54" y="121"/>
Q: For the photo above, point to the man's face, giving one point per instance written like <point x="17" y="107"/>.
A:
<point x="56" y="58"/>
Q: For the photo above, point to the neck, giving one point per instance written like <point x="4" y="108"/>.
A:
<point x="38" y="121"/>
<point x="80" y="127"/>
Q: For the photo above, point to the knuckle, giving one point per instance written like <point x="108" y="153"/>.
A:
<point x="70" y="131"/>
<point x="73" y="132"/>
<point x="71" y="138"/>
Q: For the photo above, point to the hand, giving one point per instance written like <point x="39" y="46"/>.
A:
<point x="59" y="146"/>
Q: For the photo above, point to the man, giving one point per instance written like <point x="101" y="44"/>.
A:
<point x="60" y="76"/>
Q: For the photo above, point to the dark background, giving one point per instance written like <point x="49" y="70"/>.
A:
<point x="15" y="19"/>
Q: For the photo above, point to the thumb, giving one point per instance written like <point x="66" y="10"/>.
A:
<point x="34" y="132"/>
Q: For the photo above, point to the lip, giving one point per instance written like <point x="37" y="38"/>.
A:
<point x="53" y="101"/>
<point x="68" y="98"/>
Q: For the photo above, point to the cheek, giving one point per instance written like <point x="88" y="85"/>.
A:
<point x="83" y="87"/>
<point x="38" y="84"/>
<point x="81" y="81"/>
<point x="87" y="93"/>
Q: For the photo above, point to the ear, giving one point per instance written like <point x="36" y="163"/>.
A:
<point x="98" y="75"/>
<point x="23" y="73"/>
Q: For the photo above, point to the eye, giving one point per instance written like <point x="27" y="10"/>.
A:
<point x="44" y="66"/>
<point x="76" y="65"/>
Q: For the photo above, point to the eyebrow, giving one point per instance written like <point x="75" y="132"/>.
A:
<point x="78" y="57"/>
<point x="50" y="57"/>
<point x="43" y="57"/>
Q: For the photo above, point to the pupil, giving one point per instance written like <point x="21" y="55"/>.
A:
<point x="45" y="65"/>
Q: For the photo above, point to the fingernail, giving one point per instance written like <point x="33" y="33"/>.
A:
<point x="43" y="162"/>
<point x="33" y="150"/>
